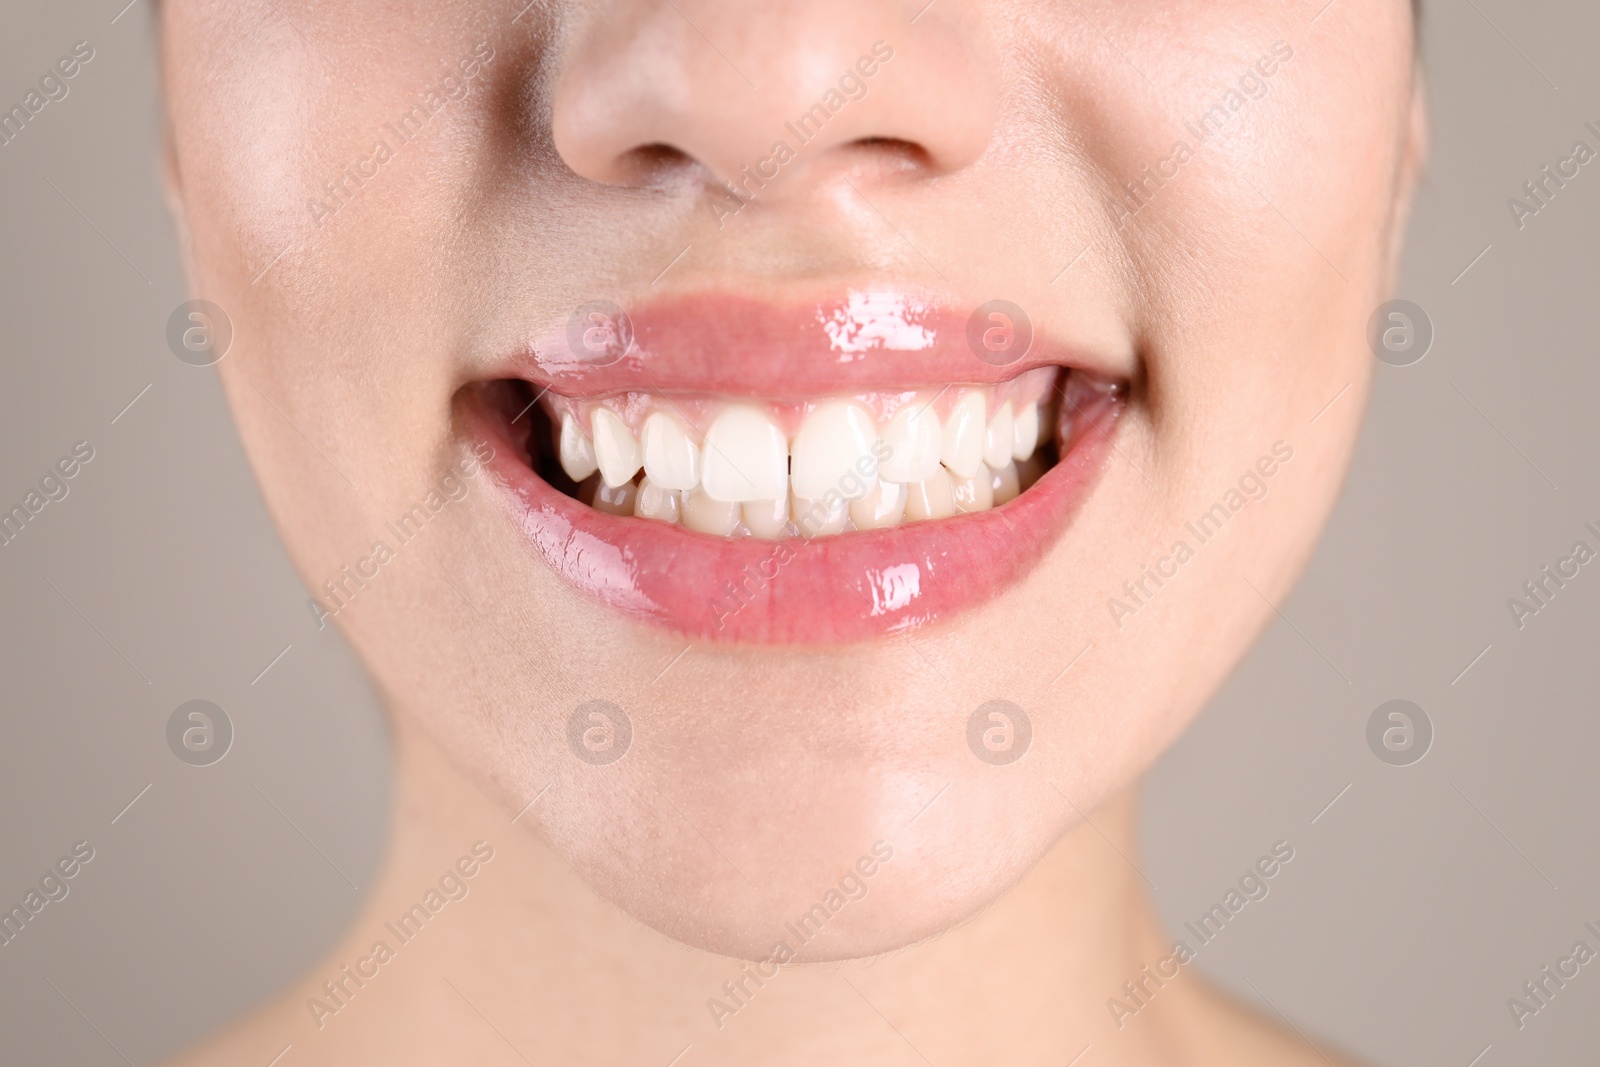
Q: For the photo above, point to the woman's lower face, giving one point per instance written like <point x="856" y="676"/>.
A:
<point x="782" y="441"/>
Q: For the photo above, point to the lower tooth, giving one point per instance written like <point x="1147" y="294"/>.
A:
<point x="884" y="506"/>
<point x="708" y="516"/>
<point x="1006" y="484"/>
<point x="975" y="493"/>
<point x="932" y="498"/>
<point x="815" y="518"/>
<point x="766" y="518"/>
<point x="654" y="502"/>
<point x="614" y="501"/>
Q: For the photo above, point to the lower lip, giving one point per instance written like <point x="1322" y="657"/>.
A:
<point x="831" y="590"/>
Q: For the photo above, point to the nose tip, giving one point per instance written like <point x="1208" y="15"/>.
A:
<point x="750" y="88"/>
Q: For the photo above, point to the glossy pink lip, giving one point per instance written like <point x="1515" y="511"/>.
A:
<point x="724" y="344"/>
<point x="849" y="587"/>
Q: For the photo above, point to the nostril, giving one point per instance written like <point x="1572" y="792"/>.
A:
<point x="651" y="164"/>
<point x="895" y="149"/>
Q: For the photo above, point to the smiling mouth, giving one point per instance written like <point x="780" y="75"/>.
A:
<point x="735" y="467"/>
<point x="726" y="514"/>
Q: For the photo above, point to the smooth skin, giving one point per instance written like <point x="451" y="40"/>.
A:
<point x="988" y="157"/>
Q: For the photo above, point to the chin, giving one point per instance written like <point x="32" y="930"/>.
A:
<point x="802" y="849"/>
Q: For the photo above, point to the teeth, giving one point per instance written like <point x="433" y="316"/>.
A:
<point x="913" y="439"/>
<point x="746" y="457"/>
<point x="614" y="448"/>
<point x="1025" y="432"/>
<point x="884" y="505"/>
<point x="931" y="498"/>
<point x="671" y="458"/>
<point x="832" y="449"/>
<point x="700" y="512"/>
<point x="657" y="502"/>
<point x="766" y="518"/>
<point x="975" y="493"/>
<point x="809" y="467"/>
<point x="1006" y="485"/>
<point x="961" y="447"/>
<point x="998" y="438"/>
<point x="815" y="518"/>
<point x="576" y="450"/>
<point x="616" y="500"/>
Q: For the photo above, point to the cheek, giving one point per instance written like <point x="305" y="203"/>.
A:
<point x="1259" y="266"/>
<point x="296" y="166"/>
<point x="246" y="132"/>
<point x="336" y="371"/>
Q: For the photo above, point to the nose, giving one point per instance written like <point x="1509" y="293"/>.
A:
<point x="735" y="87"/>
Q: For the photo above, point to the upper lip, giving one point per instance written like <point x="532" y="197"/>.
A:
<point x="720" y="343"/>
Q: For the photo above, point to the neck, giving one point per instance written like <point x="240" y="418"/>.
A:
<point x="530" y="960"/>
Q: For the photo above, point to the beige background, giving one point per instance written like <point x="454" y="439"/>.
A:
<point x="1414" y="907"/>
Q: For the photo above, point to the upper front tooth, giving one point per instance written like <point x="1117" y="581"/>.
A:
<point x="913" y="439"/>
<point x="746" y="457"/>
<point x="577" y="451"/>
<point x="614" y="448"/>
<point x="830" y="444"/>
<point x="671" y="458"/>
<point x="998" y="437"/>
<point x="1025" y="432"/>
<point x="961" y="448"/>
